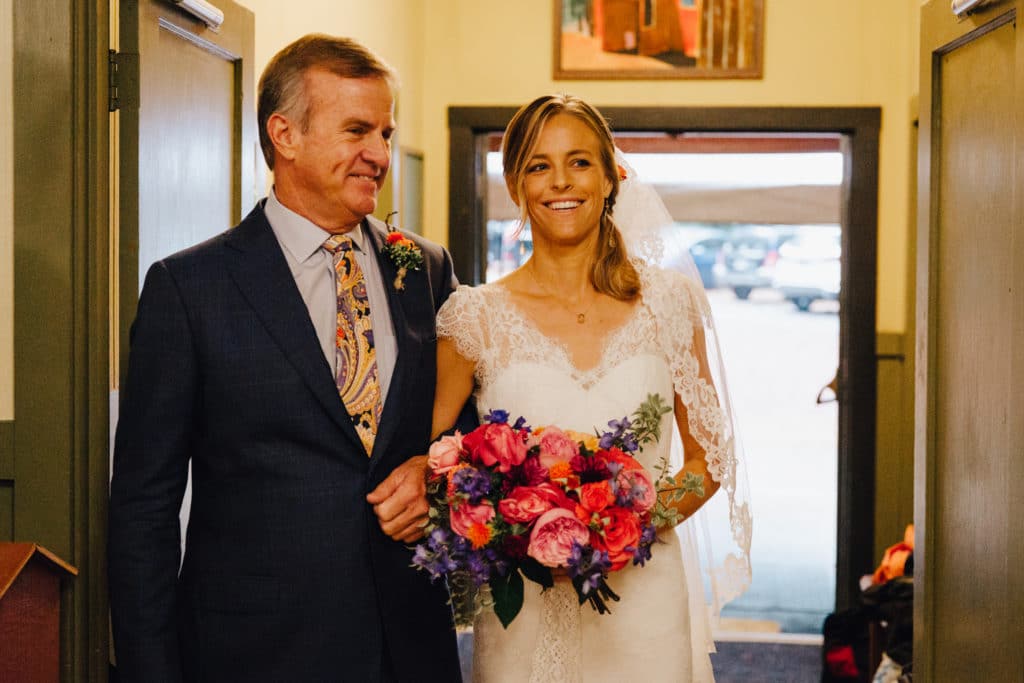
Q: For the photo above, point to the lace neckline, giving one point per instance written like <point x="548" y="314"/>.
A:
<point x="610" y="344"/>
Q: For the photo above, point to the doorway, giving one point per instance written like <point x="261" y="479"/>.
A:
<point x="855" y="134"/>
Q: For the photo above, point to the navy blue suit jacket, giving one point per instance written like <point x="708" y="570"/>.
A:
<point x="286" y="574"/>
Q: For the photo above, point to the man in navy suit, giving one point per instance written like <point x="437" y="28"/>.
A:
<point x="297" y="563"/>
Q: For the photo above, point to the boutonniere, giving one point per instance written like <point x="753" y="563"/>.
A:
<point x="402" y="251"/>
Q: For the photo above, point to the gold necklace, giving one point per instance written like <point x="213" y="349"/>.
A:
<point x="581" y="316"/>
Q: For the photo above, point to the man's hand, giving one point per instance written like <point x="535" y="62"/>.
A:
<point x="400" y="501"/>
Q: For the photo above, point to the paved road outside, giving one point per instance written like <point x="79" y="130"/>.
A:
<point x="777" y="359"/>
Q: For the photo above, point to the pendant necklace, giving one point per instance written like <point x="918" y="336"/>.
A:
<point x="581" y="316"/>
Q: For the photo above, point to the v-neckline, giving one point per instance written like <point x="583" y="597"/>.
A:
<point x="608" y="341"/>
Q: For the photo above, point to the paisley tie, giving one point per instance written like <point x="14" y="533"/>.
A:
<point x="353" y="347"/>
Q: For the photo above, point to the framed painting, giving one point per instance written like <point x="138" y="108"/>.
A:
<point x="658" y="39"/>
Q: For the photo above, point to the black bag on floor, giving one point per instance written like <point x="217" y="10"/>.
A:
<point x="845" y="648"/>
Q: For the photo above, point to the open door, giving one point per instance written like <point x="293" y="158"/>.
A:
<point x="187" y="146"/>
<point x="187" y="133"/>
<point x="969" y="431"/>
<point x="853" y="134"/>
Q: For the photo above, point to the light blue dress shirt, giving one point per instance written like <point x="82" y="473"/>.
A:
<point x="313" y="269"/>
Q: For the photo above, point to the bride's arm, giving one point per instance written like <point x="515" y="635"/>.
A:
<point x="454" y="385"/>
<point x="695" y="465"/>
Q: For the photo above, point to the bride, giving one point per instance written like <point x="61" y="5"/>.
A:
<point x="581" y="334"/>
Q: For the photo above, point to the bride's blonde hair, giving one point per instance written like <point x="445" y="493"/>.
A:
<point x="612" y="272"/>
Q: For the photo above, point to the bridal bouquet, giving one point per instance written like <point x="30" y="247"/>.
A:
<point x="508" y="502"/>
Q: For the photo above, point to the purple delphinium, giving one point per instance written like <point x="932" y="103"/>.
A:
<point x="643" y="551"/>
<point x="630" y="495"/>
<point x="438" y="553"/>
<point x="520" y="425"/>
<point x="613" y="480"/>
<point x="496" y="416"/>
<point x="621" y="435"/>
<point x="589" y="566"/>
<point x="472" y="482"/>
<point x="478" y="567"/>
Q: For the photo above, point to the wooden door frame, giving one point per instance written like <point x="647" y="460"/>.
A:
<point x="950" y="34"/>
<point x="468" y="129"/>
<point x="58" y="441"/>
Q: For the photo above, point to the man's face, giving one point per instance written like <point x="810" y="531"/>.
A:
<point x="340" y="161"/>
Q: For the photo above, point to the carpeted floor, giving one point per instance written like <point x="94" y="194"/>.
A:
<point x="735" y="662"/>
<point x="738" y="662"/>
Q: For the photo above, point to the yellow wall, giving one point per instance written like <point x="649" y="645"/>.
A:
<point x="493" y="52"/>
<point x="391" y="28"/>
<point x="6" y="216"/>
<point x="817" y="53"/>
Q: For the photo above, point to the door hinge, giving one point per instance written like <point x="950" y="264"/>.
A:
<point x="122" y="80"/>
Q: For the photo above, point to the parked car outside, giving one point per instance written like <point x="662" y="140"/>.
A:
<point x="705" y="254"/>
<point x="747" y="259"/>
<point x="808" y="266"/>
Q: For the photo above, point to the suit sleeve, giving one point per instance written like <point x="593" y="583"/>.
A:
<point x="467" y="420"/>
<point x="447" y="282"/>
<point x="151" y="458"/>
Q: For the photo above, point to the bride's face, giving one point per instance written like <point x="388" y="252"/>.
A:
<point x="565" y="185"/>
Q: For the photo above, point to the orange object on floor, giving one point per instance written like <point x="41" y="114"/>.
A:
<point x="895" y="558"/>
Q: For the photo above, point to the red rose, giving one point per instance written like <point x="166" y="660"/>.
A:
<point x="495" y="443"/>
<point x="394" y="237"/>
<point x="627" y="461"/>
<point x="639" y="487"/>
<point x="596" y="496"/>
<point x="524" y="504"/>
<point x="622" y="531"/>
<point x="465" y="516"/>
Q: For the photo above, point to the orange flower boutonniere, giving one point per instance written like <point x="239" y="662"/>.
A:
<point x="403" y="252"/>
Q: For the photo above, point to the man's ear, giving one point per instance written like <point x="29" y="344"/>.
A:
<point x="283" y="135"/>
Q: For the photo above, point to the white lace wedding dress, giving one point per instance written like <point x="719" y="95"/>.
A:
<point x="648" y="635"/>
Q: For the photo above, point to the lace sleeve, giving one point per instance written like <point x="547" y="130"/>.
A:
<point x="682" y="317"/>
<point x="460" y="319"/>
<point x="687" y="336"/>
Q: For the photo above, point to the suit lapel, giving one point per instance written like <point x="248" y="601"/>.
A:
<point x="258" y="267"/>
<point x="408" y="346"/>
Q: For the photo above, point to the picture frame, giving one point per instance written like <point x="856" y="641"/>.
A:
<point x="658" y="39"/>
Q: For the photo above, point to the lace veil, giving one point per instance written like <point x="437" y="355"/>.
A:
<point x="716" y="540"/>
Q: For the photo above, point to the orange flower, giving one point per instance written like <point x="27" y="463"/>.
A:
<point x="478" y="534"/>
<point x="451" y="479"/>
<point x="560" y="470"/>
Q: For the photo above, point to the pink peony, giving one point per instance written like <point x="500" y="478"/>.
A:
<point x="553" y="535"/>
<point x="495" y="444"/>
<point x="556" y="446"/>
<point x="444" y="453"/>
<point x="465" y="516"/>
